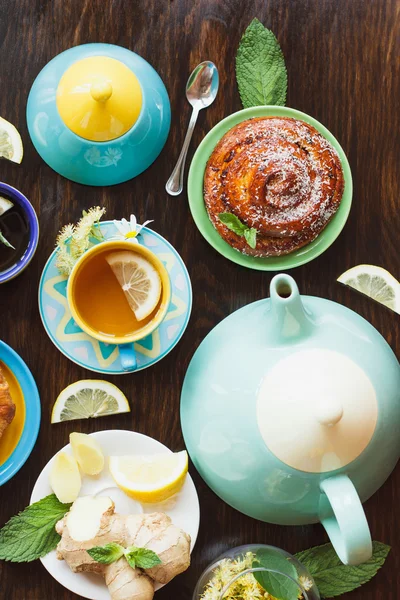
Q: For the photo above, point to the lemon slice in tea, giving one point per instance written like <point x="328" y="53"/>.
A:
<point x="89" y="398"/>
<point x="5" y="205"/>
<point x="150" y="478"/>
<point x="374" y="282"/>
<point x="10" y="142"/>
<point x="139" y="280"/>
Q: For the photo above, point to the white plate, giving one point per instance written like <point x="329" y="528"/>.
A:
<point x="183" y="508"/>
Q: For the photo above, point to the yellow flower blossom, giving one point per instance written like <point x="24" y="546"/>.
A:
<point x="74" y="240"/>
<point x="305" y="583"/>
<point x="244" y="588"/>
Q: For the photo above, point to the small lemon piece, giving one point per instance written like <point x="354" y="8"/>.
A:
<point x="65" y="478"/>
<point x="87" y="452"/>
<point x="5" y="205"/>
<point x="151" y="478"/>
<point x="89" y="398"/>
<point x="374" y="282"/>
<point x="139" y="280"/>
<point x="10" y="142"/>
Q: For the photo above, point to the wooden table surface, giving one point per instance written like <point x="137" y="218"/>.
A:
<point x="342" y="70"/>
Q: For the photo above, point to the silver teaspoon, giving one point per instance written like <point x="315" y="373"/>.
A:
<point x="201" y="90"/>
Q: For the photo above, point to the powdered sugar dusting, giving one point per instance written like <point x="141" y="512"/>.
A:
<point x="278" y="175"/>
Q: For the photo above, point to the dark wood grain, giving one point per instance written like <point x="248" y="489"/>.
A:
<point x="343" y="68"/>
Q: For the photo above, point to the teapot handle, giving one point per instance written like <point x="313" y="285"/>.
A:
<point x="348" y="527"/>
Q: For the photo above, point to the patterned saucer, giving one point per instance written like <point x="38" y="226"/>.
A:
<point x="104" y="358"/>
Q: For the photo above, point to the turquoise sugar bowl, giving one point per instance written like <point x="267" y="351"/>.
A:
<point x="290" y="411"/>
<point x="98" y="114"/>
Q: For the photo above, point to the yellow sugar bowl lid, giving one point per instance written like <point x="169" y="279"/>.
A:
<point x="99" y="98"/>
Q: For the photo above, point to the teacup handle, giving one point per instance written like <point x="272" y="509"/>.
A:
<point x="348" y="527"/>
<point x="128" y="357"/>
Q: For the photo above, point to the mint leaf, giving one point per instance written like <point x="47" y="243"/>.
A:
<point x="5" y="242"/>
<point x="31" y="534"/>
<point x="332" y="577"/>
<point x="233" y="223"/>
<point x="106" y="554"/>
<point x="260" y="67"/>
<point x="276" y="584"/>
<point x="130" y="557"/>
<point x="142" y="558"/>
<point x="251" y="237"/>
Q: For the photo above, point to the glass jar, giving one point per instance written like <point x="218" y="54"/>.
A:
<point x="284" y="569"/>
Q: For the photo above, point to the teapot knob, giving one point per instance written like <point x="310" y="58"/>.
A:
<point x="101" y="91"/>
<point x="329" y="413"/>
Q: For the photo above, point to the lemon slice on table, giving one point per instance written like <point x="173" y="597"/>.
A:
<point x="89" y="398"/>
<point x="139" y="280"/>
<point x="374" y="282"/>
<point x="151" y="478"/>
<point x="10" y="142"/>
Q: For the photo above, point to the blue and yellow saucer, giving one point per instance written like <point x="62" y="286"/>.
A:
<point x="104" y="358"/>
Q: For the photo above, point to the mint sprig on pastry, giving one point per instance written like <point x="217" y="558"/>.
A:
<point x="234" y="224"/>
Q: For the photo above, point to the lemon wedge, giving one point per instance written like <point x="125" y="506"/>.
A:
<point x="65" y="478"/>
<point x="5" y="205"/>
<point x="374" y="282"/>
<point x="10" y="142"/>
<point x="87" y="453"/>
<point x="89" y="398"/>
<point x="139" y="280"/>
<point x="151" y="478"/>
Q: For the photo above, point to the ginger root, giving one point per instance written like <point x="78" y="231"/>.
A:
<point x="93" y="522"/>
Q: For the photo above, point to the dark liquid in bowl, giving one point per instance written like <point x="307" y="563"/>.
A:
<point x="15" y="228"/>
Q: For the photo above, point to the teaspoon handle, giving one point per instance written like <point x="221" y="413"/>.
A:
<point x="174" y="185"/>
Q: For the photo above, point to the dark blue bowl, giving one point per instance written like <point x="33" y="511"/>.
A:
<point x="29" y="211"/>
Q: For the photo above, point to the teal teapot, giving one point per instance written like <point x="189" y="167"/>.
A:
<point x="290" y="411"/>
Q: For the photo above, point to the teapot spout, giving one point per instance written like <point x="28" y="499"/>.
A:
<point x="289" y="320"/>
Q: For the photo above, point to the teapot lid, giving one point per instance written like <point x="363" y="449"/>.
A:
<point x="317" y="410"/>
<point x="99" y="98"/>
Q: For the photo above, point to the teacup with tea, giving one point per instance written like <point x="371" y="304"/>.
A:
<point x="119" y="293"/>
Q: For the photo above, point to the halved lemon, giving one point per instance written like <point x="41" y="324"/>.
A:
<point x="10" y="142"/>
<point x="139" y="280"/>
<point x="374" y="282"/>
<point x="89" y="398"/>
<point x="151" y="478"/>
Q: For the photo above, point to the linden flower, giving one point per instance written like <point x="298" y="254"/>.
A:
<point x="305" y="583"/>
<point x="129" y="230"/>
<point x="74" y="240"/>
<point x="244" y="588"/>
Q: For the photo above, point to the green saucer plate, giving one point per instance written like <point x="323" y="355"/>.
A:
<point x="199" y="212"/>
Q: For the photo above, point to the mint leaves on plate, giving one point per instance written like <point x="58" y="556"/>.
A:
<point x="142" y="558"/>
<point x="107" y="554"/>
<point x="31" y="534"/>
<point x="260" y="67"/>
<point x="332" y="577"/>
<point x="136" y="557"/>
<point x="234" y="224"/>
